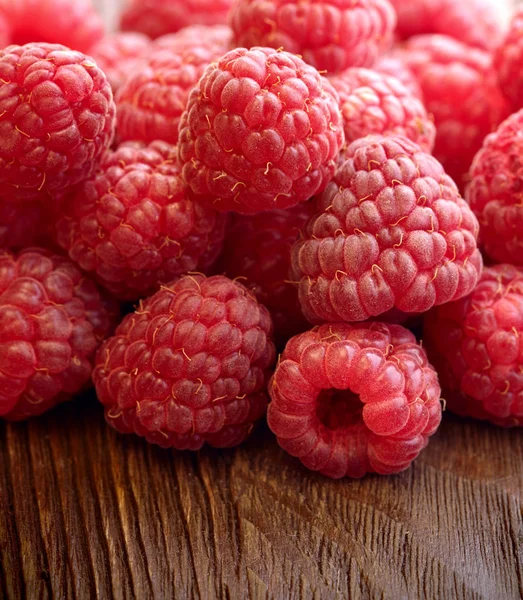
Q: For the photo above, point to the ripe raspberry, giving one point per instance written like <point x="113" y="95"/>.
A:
<point x="261" y="131"/>
<point x="508" y="62"/>
<point x="394" y="66"/>
<point x="23" y="224"/>
<point x="133" y="226"/>
<point x="391" y="232"/>
<point x="151" y="101"/>
<point x="460" y="90"/>
<point x="349" y="400"/>
<point x="373" y="103"/>
<point x="158" y="17"/>
<point x="329" y="34"/>
<point x="474" y="22"/>
<point x="217" y="36"/>
<point x="52" y="320"/>
<point x="58" y="119"/>
<point x="73" y="24"/>
<point x="189" y="367"/>
<point x="476" y="346"/>
<point x="258" y="248"/>
<point x="119" y="54"/>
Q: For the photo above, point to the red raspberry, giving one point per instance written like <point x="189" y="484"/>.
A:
<point x="157" y="17"/>
<point x="329" y="34"/>
<point x="214" y="36"/>
<point x="133" y="225"/>
<point x="58" y="119"/>
<point x="23" y="224"/>
<point x="261" y="131"/>
<point x="373" y="103"/>
<point x="189" y="366"/>
<point x="52" y="320"/>
<point x="258" y="248"/>
<point x="460" y="89"/>
<point x="495" y="193"/>
<point x="508" y="62"/>
<point x="391" y="231"/>
<point x="475" y="22"/>
<point x="119" y="54"/>
<point x="349" y="400"/>
<point x="74" y="24"/>
<point x="476" y="346"/>
<point x="394" y="66"/>
<point x="151" y="101"/>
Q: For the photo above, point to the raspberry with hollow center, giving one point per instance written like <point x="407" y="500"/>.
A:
<point x="189" y="366"/>
<point x="354" y="399"/>
<point x="133" y="225"/>
<point x="495" y="191"/>
<point x="261" y="131"/>
<point x="508" y="62"/>
<point x="391" y="232"/>
<point x="374" y="103"/>
<point x="331" y="35"/>
<point x="58" y="119"/>
<point x="477" y="346"/>
<point x="52" y="320"/>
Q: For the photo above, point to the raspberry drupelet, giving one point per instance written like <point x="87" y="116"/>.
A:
<point x="477" y="346"/>
<point x="58" y="118"/>
<point x="189" y="366"/>
<point x="331" y="35"/>
<point x="354" y="399"/>
<point x="152" y="99"/>
<point x="133" y="225"/>
<point x="261" y="131"/>
<point x="374" y="103"/>
<point x="391" y="232"/>
<point x="52" y="320"/>
<point x="495" y="192"/>
<point x="508" y="62"/>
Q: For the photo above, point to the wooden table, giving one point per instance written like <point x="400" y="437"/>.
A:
<point x="88" y="513"/>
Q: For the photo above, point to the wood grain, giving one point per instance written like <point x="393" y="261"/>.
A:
<point x="87" y="513"/>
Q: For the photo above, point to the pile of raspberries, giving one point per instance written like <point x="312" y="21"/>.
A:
<point x="237" y="210"/>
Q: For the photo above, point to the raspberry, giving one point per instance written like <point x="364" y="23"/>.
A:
<point x="329" y="34"/>
<point x="508" y="62"/>
<point x="349" y="400"/>
<point x="476" y="346"/>
<point x="373" y="103"/>
<point x="158" y="17"/>
<point x="460" y="89"/>
<point x="474" y="22"/>
<point x="188" y="367"/>
<point x="495" y="191"/>
<point x="261" y="131"/>
<point x="119" y="54"/>
<point x="134" y="227"/>
<point x="258" y="248"/>
<point x="4" y="32"/>
<point x="391" y="231"/>
<point x="151" y="101"/>
<point x="52" y="320"/>
<point x="394" y="66"/>
<point x="23" y="224"/>
<point x="73" y="24"/>
<point x="58" y="119"/>
<point x="214" y="36"/>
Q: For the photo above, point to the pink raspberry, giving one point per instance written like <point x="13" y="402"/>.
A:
<point x="460" y="90"/>
<point x="508" y="62"/>
<point x="474" y="22"/>
<point x="476" y="345"/>
<point x="119" y="54"/>
<point x="391" y="231"/>
<point x="373" y="103"/>
<point x="329" y="34"/>
<point x="257" y="251"/>
<point x="158" y="17"/>
<point x="189" y="367"/>
<point x="133" y="226"/>
<point x="23" y="224"/>
<point x="58" y="119"/>
<point x="395" y="67"/>
<point x="75" y="24"/>
<point x="151" y="101"/>
<point x="349" y="400"/>
<point x="261" y="131"/>
<point x="52" y="320"/>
